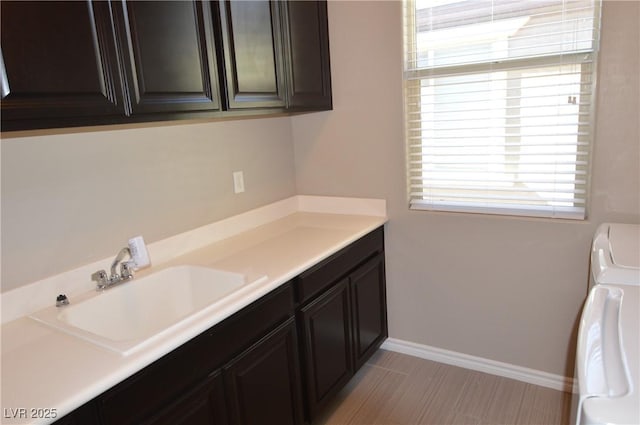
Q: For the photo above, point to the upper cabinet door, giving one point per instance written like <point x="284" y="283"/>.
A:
<point x="59" y="64"/>
<point x="252" y="43"/>
<point x="169" y="55"/>
<point x="307" y="46"/>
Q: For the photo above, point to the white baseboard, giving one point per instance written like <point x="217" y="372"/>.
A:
<point x="519" y="373"/>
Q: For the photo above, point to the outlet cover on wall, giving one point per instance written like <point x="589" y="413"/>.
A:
<point x="238" y="182"/>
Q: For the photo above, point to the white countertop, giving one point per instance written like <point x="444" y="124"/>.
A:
<point x="43" y="368"/>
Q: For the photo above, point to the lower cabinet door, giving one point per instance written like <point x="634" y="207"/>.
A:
<point x="204" y="405"/>
<point x="326" y="324"/>
<point x="263" y="383"/>
<point x="368" y="299"/>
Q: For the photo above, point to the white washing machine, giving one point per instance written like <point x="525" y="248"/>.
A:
<point x="608" y="353"/>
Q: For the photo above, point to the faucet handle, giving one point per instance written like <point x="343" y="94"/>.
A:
<point x="100" y="277"/>
<point x="126" y="270"/>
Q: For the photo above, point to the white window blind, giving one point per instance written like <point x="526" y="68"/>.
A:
<point x="499" y="104"/>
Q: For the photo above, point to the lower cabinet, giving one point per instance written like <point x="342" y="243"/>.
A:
<point x="277" y="361"/>
<point x="341" y="329"/>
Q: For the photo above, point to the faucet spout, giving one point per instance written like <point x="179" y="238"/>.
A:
<point x="126" y="271"/>
<point x="124" y="251"/>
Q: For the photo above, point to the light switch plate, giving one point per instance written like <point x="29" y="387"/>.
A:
<point x="238" y="182"/>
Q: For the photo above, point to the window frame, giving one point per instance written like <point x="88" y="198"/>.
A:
<point x="412" y="84"/>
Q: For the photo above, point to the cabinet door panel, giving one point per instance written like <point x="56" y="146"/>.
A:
<point x="169" y="55"/>
<point x="368" y="297"/>
<point x="326" y="324"/>
<point x="59" y="61"/>
<point x="263" y="383"/>
<point x="307" y="43"/>
<point x="252" y="50"/>
<point x="204" y="405"/>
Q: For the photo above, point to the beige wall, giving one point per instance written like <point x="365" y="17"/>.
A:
<point x="508" y="289"/>
<point x="73" y="197"/>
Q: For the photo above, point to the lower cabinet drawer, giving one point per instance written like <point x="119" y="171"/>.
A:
<point x="318" y="278"/>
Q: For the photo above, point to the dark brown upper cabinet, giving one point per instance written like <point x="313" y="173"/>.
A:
<point x="78" y="63"/>
<point x="59" y="64"/>
<point x="252" y="42"/>
<point x="169" y="55"/>
<point x="306" y="42"/>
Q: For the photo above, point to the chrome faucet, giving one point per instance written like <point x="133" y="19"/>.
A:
<point x="126" y="271"/>
<point x="118" y="260"/>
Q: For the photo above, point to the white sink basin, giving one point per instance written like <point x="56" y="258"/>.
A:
<point x="127" y="317"/>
